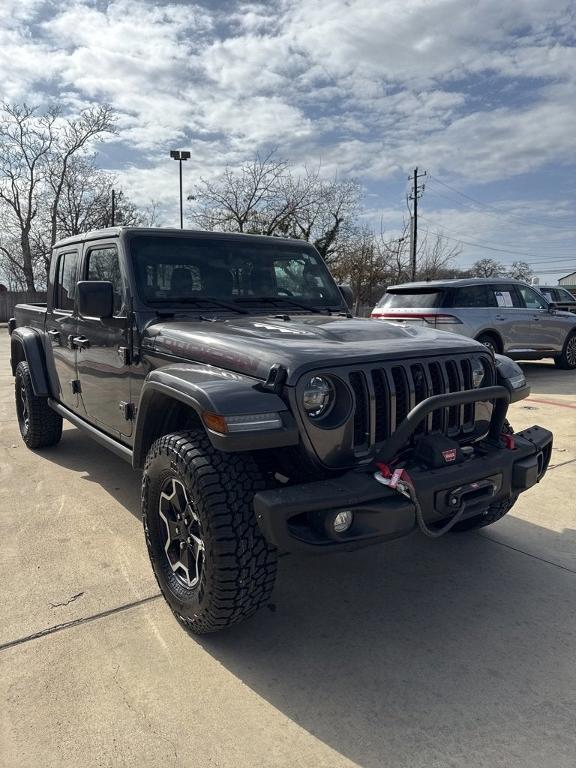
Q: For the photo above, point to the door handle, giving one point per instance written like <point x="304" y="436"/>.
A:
<point x="81" y="342"/>
<point x="500" y="317"/>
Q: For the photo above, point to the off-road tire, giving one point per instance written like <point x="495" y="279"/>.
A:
<point x="40" y="426"/>
<point x="493" y="513"/>
<point x="566" y="360"/>
<point x="238" y="565"/>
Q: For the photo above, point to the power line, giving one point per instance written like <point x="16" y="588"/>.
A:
<point x="493" y="248"/>
<point x="497" y="211"/>
<point x="570" y="252"/>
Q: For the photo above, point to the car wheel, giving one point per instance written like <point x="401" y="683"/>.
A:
<point x="40" y="426"/>
<point x="567" y="359"/>
<point x="211" y="561"/>
<point x="489" y="341"/>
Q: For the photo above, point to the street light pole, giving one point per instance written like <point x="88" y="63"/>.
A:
<point x="180" y="156"/>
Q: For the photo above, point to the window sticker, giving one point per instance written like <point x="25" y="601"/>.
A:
<point x="503" y="298"/>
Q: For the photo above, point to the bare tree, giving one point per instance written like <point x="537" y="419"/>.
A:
<point x="265" y="197"/>
<point x="488" y="268"/>
<point x="36" y="151"/>
<point x="521" y="270"/>
<point x="25" y="143"/>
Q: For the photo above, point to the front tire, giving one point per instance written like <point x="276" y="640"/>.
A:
<point x="40" y="426"/>
<point x="566" y="360"/>
<point x="211" y="561"/>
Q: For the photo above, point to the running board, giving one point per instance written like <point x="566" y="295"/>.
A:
<point x="108" y="442"/>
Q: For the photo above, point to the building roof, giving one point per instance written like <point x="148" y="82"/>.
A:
<point x="570" y="276"/>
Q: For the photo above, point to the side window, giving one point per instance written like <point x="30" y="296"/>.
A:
<point x="103" y="264"/>
<point x="505" y="296"/>
<point x="473" y="296"/>
<point x="65" y="281"/>
<point x="531" y="299"/>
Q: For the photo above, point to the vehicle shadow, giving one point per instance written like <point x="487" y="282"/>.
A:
<point x="420" y="653"/>
<point x="417" y="653"/>
<point x="78" y="452"/>
<point x="546" y="379"/>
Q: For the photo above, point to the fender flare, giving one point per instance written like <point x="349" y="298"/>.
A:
<point x="206" y="388"/>
<point x="29" y="340"/>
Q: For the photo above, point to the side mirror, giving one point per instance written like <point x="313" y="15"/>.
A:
<point x="95" y="298"/>
<point x="552" y="306"/>
<point x="347" y="295"/>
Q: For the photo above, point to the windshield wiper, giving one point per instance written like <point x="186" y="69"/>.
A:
<point x="201" y="300"/>
<point x="281" y="300"/>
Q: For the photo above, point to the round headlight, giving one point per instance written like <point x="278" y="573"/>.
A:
<point x="318" y="397"/>
<point x="478" y="372"/>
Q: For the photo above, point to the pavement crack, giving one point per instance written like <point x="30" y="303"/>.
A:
<point x="78" y="622"/>
<point x="523" y="552"/>
<point x="562" y="464"/>
<point x="67" y="602"/>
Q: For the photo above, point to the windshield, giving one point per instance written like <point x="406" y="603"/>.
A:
<point x="415" y="299"/>
<point x="180" y="269"/>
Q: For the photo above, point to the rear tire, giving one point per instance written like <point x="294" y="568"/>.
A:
<point x="40" y="426"/>
<point x="566" y="360"/>
<point x="210" y="559"/>
<point x="489" y="341"/>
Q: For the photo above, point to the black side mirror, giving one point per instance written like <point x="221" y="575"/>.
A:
<point x="347" y="295"/>
<point x="552" y="306"/>
<point x="95" y="298"/>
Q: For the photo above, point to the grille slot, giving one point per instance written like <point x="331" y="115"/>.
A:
<point x="361" y="413"/>
<point x="382" y="400"/>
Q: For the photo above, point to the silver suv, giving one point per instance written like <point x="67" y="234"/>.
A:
<point x="508" y="316"/>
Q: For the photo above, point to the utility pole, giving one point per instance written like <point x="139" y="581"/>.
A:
<point x="113" y="207"/>
<point x="416" y="193"/>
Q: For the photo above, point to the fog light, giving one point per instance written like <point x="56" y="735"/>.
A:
<point x="342" y="521"/>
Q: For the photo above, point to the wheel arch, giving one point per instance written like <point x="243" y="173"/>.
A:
<point x="493" y="333"/>
<point x="175" y="398"/>
<point x="26" y="345"/>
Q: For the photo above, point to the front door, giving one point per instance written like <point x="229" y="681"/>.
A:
<point x="103" y="366"/>
<point x="61" y="327"/>
<point x="546" y="329"/>
<point x="511" y="317"/>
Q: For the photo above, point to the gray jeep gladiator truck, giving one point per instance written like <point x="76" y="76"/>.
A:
<point x="264" y="416"/>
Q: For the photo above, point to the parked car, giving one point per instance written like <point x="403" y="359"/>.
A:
<point x="263" y="415"/>
<point x="561" y="297"/>
<point x="507" y="316"/>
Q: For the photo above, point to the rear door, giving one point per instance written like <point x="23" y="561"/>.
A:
<point x="62" y="323"/>
<point x="103" y="366"/>
<point x="511" y="317"/>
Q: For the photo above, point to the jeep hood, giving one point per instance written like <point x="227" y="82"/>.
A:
<point x="253" y="344"/>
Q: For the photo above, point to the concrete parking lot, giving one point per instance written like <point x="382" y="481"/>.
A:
<point x="456" y="652"/>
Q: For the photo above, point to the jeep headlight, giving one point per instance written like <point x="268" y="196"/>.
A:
<point x="478" y="372"/>
<point x="318" y="397"/>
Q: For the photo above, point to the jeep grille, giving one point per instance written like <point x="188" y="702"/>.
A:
<point x="384" y="395"/>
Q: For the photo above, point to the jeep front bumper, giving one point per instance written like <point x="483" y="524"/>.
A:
<point x="291" y="517"/>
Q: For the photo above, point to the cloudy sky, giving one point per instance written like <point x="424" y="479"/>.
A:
<point x="479" y="93"/>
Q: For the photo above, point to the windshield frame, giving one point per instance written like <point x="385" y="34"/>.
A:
<point x="333" y="303"/>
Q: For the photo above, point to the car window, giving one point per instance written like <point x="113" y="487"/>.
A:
<point x="417" y="298"/>
<point x="561" y="294"/>
<point x="505" y="296"/>
<point x="65" y="281"/>
<point x="103" y="264"/>
<point x="473" y="296"/>
<point x="531" y="299"/>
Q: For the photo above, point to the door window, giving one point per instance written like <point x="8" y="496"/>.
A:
<point x="65" y="281"/>
<point x="103" y="264"/>
<point x="505" y="296"/>
<point x="474" y="296"/>
<point x="532" y="300"/>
